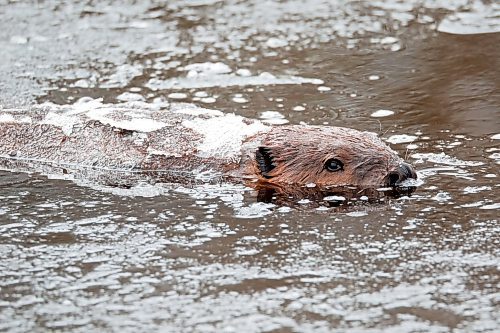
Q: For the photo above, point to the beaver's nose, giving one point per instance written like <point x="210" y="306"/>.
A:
<point x="402" y="173"/>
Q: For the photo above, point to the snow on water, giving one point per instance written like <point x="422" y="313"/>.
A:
<point x="223" y="136"/>
<point x="130" y="97"/>
<point x="478" y="19"/>
<point x="220" y="75"/>
<point x="273" y="117"/>
<point x="208" y="100"/>
<point x="238" y="98"/>
<point x="382" y="113"/>
<point x="177" y="96"/>
<point x="491" y="206"/>
<point x="402" y="138"/>
<point x="442" y="158"/>
<point x="122" y="75"/>
<point x="206" y="68"/>
<point x="254" y="210"/>
<point x="274" y="42"/>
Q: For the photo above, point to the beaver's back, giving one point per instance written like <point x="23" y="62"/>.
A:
<point x="181" y="140"/>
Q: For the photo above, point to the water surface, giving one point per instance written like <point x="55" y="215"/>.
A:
<point x="80" y="257"/>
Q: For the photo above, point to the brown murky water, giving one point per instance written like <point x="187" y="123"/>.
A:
<point x="79" y="257"/>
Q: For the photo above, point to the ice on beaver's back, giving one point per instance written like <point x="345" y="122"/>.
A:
<point x="163" y="129"/>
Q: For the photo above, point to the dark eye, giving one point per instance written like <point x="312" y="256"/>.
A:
<point x="333" y="165"/>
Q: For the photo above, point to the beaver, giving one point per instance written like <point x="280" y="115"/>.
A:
<point x="137" y="141"/>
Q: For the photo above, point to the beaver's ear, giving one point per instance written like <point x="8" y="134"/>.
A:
<point x="265" y="160"/>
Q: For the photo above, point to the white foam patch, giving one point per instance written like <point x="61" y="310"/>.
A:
<point x="491" y="206"/>
<point x="388" y="40"/>
<point x="240" y="99"/>
<point x="357" y="214"/>
<point x="382" y="113"/>
<point x="83" y="104"/>
<point x="122" y="76"/>
<point x="334" y="198"/>
<point x="130" y="97"/>
<point x="255" y="210"/>
<point x="442" y="158"/>
<point x="496" y="137"/>
<point x="476" y="189"/>
<point x="207" y="68"/>
<point x="273" y="117"/>
<point x="206" y="175"/>
<point x="208" y="100"/>
<point x="479" y="19"/>
<point x="401" y="138"/>
<point x="442" y="197"/>
<point x="227" y="80"/>
<point x="495" y="156"/>
<point x="244" y="72"/>
<point x="274" y="42"/>
<point x="177" y="96"/>
<point x="223" y="136"/>
<point x="201" y="94"/>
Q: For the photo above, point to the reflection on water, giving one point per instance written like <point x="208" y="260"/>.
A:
<point x="228" y="258"/>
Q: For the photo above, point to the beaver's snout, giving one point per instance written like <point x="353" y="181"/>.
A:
<point x="402" y="173"/>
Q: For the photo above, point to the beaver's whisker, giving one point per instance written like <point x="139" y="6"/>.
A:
<point x="407" y="147"/>
<point x="385" y="132"/>
<point x="380" y="126"/>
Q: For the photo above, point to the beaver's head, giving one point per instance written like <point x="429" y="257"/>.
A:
<point x="328" y="156"/>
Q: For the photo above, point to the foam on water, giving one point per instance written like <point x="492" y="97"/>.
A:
<point x="254" y="210"/>
<point x="401" y="138"/>
<point x="207" y="68"/>
<point x="382" y="113"/>
<point x="479" y="18"/>
<point x="130" y="97"/>
<point x="273" y="117"/>
<point x="121" y="76"/>
<point x="226" y="80"/>
<point x="442" y="158"/>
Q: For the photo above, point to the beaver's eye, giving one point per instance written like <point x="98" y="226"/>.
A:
<point x="333" y="165"/>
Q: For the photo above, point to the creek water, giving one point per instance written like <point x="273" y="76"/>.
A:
<point x="424" y="75"/>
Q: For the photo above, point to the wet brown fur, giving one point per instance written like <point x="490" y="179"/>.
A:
<point x="299" y="154"/>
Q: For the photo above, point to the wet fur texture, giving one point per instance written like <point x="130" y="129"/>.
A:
<point x="297" y="155"/>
